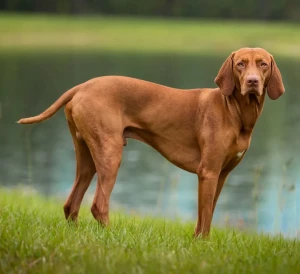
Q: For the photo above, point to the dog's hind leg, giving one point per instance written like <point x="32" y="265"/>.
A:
<point x="107" y="154"/>
<point x="85" y="170"/>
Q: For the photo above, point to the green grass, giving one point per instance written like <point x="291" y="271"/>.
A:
<point x="35" y="238"/>
<point x="138" y="35"/>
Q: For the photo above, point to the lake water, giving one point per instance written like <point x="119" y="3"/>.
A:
<point x="262" y="193"/>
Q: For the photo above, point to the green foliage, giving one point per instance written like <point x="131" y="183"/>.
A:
<point x="35" y="238"/>
<point x="234" y="9"/>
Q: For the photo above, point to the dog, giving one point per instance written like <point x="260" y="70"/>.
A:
<point x="205" y="131"/>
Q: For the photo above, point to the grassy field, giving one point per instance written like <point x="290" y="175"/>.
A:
<point x="35" y="238"/>
<point x="42" y="32"/>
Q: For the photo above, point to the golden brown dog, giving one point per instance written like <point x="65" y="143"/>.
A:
<point x="204" y="131"/>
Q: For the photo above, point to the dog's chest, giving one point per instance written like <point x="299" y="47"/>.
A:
<point x="240" y="154"/>
<point x="243" y="143"/>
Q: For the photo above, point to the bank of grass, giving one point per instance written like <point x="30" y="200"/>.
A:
<point x="140" y="35"/>
<point x="34" y="238"/>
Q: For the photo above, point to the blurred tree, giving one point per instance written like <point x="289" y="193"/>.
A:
<point x="63" y="6"/>
<point x="79" y="6"/>
<point x="229" y="9"/>
<point x="167" y="7"/>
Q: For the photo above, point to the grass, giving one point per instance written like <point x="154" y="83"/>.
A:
<point x="35" y="238"/>
<point x="24" y="32"/>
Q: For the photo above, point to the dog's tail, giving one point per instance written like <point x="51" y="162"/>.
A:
<point x="60" y="102"/>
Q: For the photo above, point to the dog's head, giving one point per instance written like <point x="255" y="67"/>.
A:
<point x="250" y="71"/>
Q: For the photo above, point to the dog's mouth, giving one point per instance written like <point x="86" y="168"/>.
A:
<point x="253" y="91"/>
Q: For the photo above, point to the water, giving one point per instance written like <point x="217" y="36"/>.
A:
<point x="262" y="193"/>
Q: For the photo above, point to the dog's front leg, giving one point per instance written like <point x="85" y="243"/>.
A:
<point x="207" y="184"/>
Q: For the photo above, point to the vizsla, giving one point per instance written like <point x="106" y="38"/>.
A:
<point x="204" y="131"/>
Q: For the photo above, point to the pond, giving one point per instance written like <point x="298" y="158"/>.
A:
<point x="262" y="193"/>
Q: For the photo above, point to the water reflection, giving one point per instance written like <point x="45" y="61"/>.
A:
<point x="262" y="192"/>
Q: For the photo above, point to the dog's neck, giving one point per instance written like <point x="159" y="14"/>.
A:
<point x="249" y="108"/>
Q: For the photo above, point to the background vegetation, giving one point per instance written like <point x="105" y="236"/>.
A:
<point x="229" y="9"/>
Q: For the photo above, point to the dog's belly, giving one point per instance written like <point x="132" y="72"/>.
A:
<point x="183" y="156"/>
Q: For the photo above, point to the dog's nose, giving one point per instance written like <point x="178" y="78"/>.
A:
<point x="252" y="80"/>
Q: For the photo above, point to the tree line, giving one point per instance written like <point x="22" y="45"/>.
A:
<point x="226" y="9"/>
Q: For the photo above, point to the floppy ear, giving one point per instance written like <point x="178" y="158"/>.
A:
<point x="275" y="86"/>
<point x="224" y="79"/>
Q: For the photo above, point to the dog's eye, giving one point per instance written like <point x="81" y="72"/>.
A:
<point x="240" y="64"/>
<point x="263" y="64"/>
